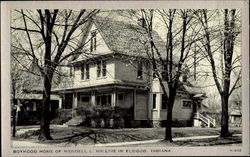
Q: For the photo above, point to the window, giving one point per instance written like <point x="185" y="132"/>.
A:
<point x="93" y="42"/>
<point x="103" y="100"/>
<point x="85" y="99"/>
<point x="71" y="72"/>
<point x="120" y="96"/>
<point x="139" y="70"/>
<point x="187" y="104"/>
<point x="164" y="101"/>
<point x="82" y="72"/>
<point x="101" y="68"/>
<point x="85" y="72"/>
<point x="154" y="101"/>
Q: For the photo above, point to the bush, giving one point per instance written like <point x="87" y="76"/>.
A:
<point x="62" y="116"/>
<point x="28" y="118"/>
<point x="104" y="116"/>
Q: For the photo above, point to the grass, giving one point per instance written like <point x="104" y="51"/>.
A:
<point x="86" y="136"/>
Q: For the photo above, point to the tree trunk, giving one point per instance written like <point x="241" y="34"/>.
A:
<point x="168" y="132"/>
<point x="224" y="117"/>
<point x="45" y="114"/>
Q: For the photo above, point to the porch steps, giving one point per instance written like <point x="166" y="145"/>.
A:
<point x="207" y="120"/>
<point x="75" y="121"/>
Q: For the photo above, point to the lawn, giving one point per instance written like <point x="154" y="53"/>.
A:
<point x="88" y="136"/>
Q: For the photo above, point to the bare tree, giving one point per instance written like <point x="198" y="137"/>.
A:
<point x="229" y="60"/>
<point x="170" y="63"/>
<point x="49" y="38"/>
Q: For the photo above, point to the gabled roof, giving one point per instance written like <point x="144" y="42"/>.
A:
<point x="125" y="37"/>
<point x="235" y="113"/>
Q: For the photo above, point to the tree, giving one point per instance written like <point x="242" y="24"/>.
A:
<point x="170" y="63"/>
<point x="229" y="60"/>
<point x="49" y="38"/>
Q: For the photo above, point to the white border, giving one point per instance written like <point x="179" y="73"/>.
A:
<point x="5" y="71"/>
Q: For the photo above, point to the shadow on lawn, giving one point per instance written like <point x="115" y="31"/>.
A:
<point x="94" y="137"/>
<point x="210" y="142"/>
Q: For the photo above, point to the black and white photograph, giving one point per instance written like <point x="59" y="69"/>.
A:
<point x="119" y="81"/>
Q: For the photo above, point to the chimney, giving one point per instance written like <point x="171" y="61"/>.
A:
<point x="142" y="22"/>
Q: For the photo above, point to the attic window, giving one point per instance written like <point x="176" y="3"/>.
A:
<point x="93" y="41"/>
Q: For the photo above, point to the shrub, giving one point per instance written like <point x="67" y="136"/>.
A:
<point x="62" y="116"/>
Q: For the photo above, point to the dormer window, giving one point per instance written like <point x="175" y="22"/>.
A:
<point x="139" y="70"/>
<point x="93" y="41"/>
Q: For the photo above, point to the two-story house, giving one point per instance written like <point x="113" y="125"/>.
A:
<point x="113" y="70"/>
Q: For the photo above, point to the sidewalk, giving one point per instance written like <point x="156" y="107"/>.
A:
<point x="34" y="144"/>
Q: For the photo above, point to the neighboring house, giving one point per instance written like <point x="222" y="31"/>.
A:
<point x="235" y="118"/>
<point x="116" y="73"/>
<point x="29" y="107"/>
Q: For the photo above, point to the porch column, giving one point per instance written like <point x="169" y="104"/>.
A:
<point x="114" y="95"/>
<point x="134" y="102"/>
<point x="75" y="100"/>
<point x="74" y="104"/>
<point x="60" y="102"/>
<point x="93" y="103"/>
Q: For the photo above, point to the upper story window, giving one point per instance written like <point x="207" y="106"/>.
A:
<point x="139" y="70"/>
<point x="93" y="41"/>
<point x="104" y="70"/>
<point x="71" y="73"/>
<point x="85" y="72"/>
<point x="82" y="72"/>
<point x="101" y="68"/>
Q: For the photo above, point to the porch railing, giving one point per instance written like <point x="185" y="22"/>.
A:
<point x="206" y="119"/>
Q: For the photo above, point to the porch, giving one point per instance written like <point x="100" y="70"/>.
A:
<point x="134" y="98"/>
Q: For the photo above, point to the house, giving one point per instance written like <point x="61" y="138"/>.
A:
<point x="113" y="72"/>
<point x="29" y="105"/>
<point x="235" y="118"/>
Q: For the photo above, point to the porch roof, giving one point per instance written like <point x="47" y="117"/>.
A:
<point x="111" y="84"/>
